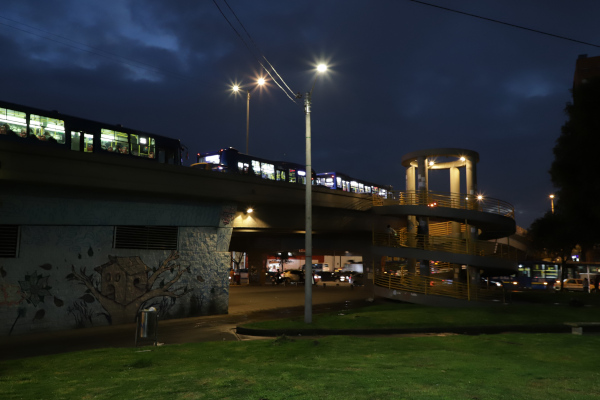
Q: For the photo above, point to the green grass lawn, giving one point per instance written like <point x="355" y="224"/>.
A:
<point x="506" y="366"/>
<point x="403" y="315"/>
<point x="485" y="367"/>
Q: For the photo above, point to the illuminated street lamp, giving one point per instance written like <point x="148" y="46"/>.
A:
<point x="552" y="202"/>
<point x="236" y="88"/>
<point x="308" y="212"/>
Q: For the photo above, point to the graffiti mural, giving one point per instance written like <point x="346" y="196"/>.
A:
<point x="227" y="215"/>
<point x="123" y="284"/>
<point x="31" y="291"/>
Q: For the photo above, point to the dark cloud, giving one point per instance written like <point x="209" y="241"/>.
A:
<point x="404" y="77"/>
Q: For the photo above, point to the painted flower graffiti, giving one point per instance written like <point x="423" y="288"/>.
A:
<point x="34" y="288"/>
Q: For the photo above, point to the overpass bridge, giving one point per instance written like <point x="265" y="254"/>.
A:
<point x="96" y="236"/>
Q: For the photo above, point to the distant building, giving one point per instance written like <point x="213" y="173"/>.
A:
<point x="586" y="68"/>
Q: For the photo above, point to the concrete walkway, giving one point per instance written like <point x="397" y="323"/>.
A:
<point x="246" y="304"/>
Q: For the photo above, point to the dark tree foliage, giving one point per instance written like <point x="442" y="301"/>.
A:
<point x="552" y="236"/>
<point x="575" y="171"/>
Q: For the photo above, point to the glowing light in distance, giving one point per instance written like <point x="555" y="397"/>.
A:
<point x="261" y="81"/>
<point x="236" y="88"/>
<point x="479" y="197"/>
<point x="321" y="67"/>
<point x="463" y="159"/>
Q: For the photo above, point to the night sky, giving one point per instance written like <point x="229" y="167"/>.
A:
<point x="403" y="77"/>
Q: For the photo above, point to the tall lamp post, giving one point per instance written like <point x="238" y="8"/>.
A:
<point x="236" y="88"/>
<point x="308" y="210"/>
<point x="552" y="203"/>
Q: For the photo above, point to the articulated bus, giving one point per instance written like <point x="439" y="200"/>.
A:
<point x="37" y="127"/>
<point x="339" y="181"/>
<point x="231" y="160"/>
<point x="546" y="274"/>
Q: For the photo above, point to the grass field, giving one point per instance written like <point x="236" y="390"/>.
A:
<point x="403" y="315"/>
<point x="507" y="366"/>
<point x="503" y="366"/>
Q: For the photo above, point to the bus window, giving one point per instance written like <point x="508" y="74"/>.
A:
<point x="88" y="142"/>
<point x="114" y="142"/>
<point x="243" y="167"/>
<point x="145" y="147"/>
<point x="75" y="141"/>
<point x="268" y="171"/>
<point x="45" y="128"/>
<point x="256" y="167"/>
<point x="302" y="177"/>
<point x="13" y="122"/>
<point x="280" y="176"/>
<point x="292" y="175"/>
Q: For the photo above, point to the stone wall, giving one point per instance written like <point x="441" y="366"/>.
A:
<point x="72" y="276"/>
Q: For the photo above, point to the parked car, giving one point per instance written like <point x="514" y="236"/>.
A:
<point x="297" y="276"/>
<point x="293" y="275"/>
<point x="571" y="284"/>
<point x="328" y="276"/>
<point x="346" y="276"/>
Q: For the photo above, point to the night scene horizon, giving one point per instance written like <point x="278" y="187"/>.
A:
<point x="493" y="77"/>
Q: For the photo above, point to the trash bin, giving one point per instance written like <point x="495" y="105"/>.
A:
<point x="146" y="326"/>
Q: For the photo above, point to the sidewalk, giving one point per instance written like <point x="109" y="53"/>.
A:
<point x="246" y="303"/>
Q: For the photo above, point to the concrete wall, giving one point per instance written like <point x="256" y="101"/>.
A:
<point x="70" y="275"/>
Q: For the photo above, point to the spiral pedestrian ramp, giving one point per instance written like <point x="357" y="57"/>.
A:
<point x="445" y="242"/>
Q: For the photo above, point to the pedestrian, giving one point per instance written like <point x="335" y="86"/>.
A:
<point x="391" y="235"/>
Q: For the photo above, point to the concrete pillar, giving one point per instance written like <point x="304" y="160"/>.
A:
<point x="471" y="172"/>
<point x="410" y="183"/>
<point x="455" y="198"/>
<point x="369" y="261"/>
<point x="423" y="228"/>
<point x="411" y="225"/>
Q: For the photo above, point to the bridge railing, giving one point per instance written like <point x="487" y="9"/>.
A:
<point x="448" y="200"/>
<point x="436" y="286"/>
<point x="447" y="244"/>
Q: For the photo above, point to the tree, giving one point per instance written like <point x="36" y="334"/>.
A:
<point x="552" y="235"/>
<point x="574" y="170"/>
<point x="122" y="312"/>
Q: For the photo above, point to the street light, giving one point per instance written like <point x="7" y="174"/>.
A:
<point x="236" y="88"/>
<point x="552" y="202"/>
<point x="308" y="203"/>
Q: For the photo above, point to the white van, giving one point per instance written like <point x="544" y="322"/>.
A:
<point x="358" y="268"/>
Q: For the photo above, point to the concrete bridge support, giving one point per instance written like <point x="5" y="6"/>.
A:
<point x="418" y="165"/>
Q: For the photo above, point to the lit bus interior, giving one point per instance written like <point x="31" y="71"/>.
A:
<point x="28" y="125"/>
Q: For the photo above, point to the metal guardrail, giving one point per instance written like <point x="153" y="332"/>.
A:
<point x="447" y="244"/>
<point x="448" y="200"/>
<point x="439" y="287"/>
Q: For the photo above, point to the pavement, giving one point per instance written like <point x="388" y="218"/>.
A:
<point x="246" y="304"/>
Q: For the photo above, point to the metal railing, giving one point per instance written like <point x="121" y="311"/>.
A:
<point x="447" y="244"/>
<point x="439" y="287"/>
<point x="448" y="200"/>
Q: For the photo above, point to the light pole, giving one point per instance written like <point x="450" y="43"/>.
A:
<point x="308" y="209"/>
<point x="552" y="203"/>
<point x="236" y="89"/>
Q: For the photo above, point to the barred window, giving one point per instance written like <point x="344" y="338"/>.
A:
<point x="146" y="237"/>
<point x="9" y="241"/>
